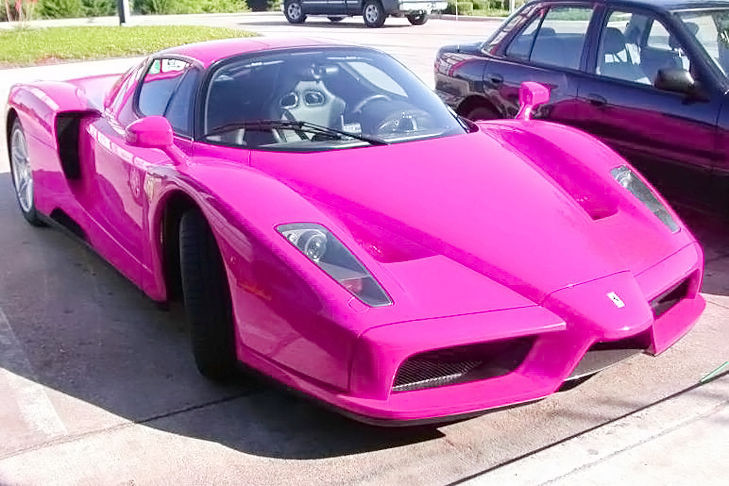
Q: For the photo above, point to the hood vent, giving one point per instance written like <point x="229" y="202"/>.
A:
<point x="593" y="193"/>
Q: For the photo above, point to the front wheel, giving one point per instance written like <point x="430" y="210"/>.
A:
<point x="206" y="295"/>
<point x="22" y="174"/>
<point x="418" y="19"/>
<point x="373" y="14"/>
<point x="294" y="12"/>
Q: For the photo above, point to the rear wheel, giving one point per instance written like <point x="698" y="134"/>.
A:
<point x="373" y="14"/>
<point x="418" y="19"/>
<point x="206" y="295"/>
<point x="22" y="174"/>
<point x="481" y="113"/>
<point x="294" y="12"/>
<point x="336" y="19"/>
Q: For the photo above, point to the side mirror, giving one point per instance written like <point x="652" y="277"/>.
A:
<point x="676" y="80"/>
<point x="150" y="132"/>
<point x="531" y="95"/>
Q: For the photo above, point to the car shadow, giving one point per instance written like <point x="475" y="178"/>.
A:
<point x="90" y="334"/>
<point x="712" y="231"/>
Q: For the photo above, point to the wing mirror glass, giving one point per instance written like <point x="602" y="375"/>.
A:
<point x="531" y="95"/>
<point x="150" y="132"/>
<point x="676" y="80"/>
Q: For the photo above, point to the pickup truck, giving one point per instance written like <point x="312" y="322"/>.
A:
<point x="374" y="12"/>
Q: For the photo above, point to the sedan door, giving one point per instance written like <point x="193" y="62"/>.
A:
<point x="667" y="134"/>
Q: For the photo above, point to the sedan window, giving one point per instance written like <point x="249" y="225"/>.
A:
<point x="634" y="47"/>
<point x="619" y="53"/>
<point x="521" y="46"/>
<point x="559" y="41"/>
<point x="711" y="31"/>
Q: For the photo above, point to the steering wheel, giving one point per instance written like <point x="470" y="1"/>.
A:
<point x="403" y="121"/>
<point x="359" y="106"/>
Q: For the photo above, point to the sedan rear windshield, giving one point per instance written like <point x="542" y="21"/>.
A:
<point x="321" y="99"/>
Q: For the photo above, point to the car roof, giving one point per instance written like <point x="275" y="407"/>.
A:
<point x="211" y="51"/>
<point x="652" y="4"/>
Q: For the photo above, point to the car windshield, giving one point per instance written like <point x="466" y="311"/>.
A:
<point x="321" y="99"/>
<point x="711" y="30"/>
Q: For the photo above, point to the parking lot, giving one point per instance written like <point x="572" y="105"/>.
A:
<point x="98" y="385"/>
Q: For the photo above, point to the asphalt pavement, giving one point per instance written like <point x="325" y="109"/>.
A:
<point x="98" y="384"/>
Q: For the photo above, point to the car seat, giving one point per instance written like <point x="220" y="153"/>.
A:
<point x="310" y="100"/>
<point x="616" y="60"/>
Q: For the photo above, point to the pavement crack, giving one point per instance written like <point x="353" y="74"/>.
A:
<point x="581" y="433"/>
<point x="645" y="440"/>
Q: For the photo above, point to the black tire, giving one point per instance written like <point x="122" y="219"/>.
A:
<point x="373" y="13"/>
<point x="29" y="212"/>
<point x="481" y="113"/>
<point x="335" y="19"/>
<point x="207" y="298"/>
<point x="418" y="19"/>
<point x="294" y="11"/>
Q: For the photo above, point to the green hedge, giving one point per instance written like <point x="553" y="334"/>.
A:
<point x="188" y="6"/>
<point x="480" y="7"/>
<point x="265" y="5"/>
<point x="464" y="8"/>
<point x="56" y="9"/>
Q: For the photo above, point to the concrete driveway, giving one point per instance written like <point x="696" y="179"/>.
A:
<point x="98" y="385"/>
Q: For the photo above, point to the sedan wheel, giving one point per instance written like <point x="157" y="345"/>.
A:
<point x="293" y="12"/>
<point x="22" y="174"/>
<point x="373" y="14"/>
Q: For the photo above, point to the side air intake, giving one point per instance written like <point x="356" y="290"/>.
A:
<point x="461" y="364"/>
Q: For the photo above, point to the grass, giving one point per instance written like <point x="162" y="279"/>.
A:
<point x="22" y="47"/>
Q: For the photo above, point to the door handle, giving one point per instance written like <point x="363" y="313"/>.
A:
<point x="496" y="78"/>
<point x="596" y="100"/>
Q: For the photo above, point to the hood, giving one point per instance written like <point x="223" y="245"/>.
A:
<point x="502" y="201"/>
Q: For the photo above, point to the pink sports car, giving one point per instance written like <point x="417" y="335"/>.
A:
<point x="329" y="222"/>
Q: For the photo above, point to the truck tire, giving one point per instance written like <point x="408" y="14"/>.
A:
<point x="294" y="12"/>
<point x="373" y="13"/>
<point x="418" y="19"/>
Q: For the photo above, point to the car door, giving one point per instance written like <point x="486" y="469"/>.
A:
<point x="315" y="6"/>
<point x="354" y="7"/>
<point x="118" y="171"/>
<point x="337" y="7"/>
<point x="666" y="134"/>
<point x="549" y="49"/>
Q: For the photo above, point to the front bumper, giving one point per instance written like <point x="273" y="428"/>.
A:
<point x="562" y="336"/>
<point x="415" y="6"/>
<point x="558" y="349"/>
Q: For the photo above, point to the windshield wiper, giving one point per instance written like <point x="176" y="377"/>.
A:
<point x="303" y="126"/>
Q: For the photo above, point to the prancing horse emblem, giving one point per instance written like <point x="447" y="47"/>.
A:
<point x="616" y="300"/>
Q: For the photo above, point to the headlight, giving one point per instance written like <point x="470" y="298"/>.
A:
<point x="329" y="254"/>
<point x="629" y="180"/>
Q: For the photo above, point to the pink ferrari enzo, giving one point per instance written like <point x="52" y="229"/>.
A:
<point x="329" y="222"/>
